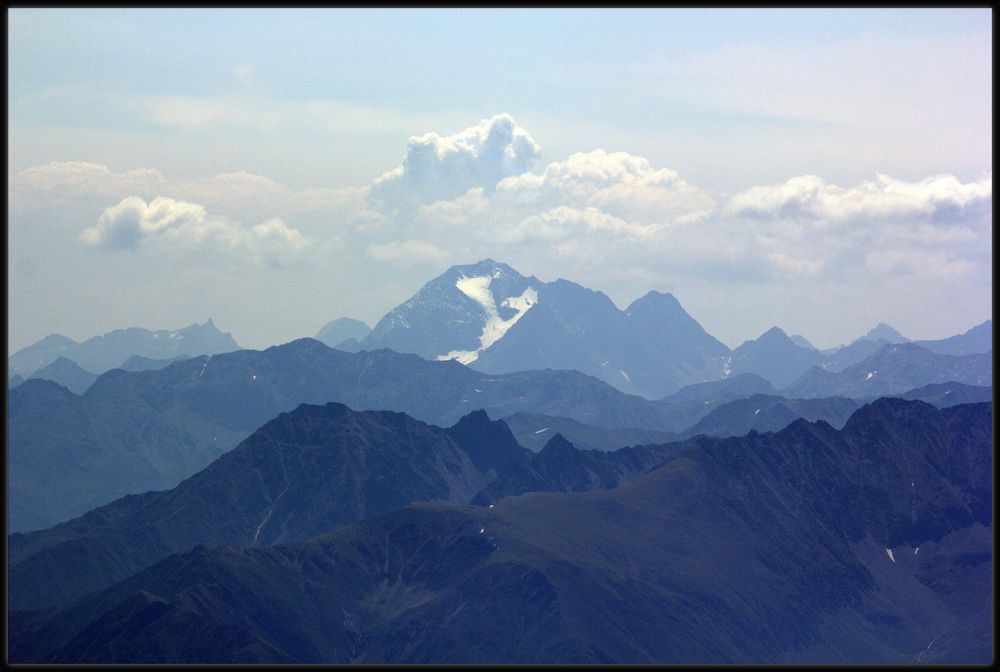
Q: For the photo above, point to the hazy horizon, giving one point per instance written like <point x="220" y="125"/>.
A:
<point x="817" y="170"/>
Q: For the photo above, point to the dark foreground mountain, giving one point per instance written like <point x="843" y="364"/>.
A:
<point x="137" y="431"/>
<point x="67" y="373"/>
<point x="102" y="353"/>
<point x="870" y="544"/>
<point x="562" y="467"/>
<point x="303" y="473"/>
<point x="894" y="369"/>
<point x="491" y="317"/>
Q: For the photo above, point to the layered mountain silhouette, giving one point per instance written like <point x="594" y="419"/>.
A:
<point x="140" y="363"/>
<point x="67" y="373"/>
<point x="769" y="413"/>
<point x="137" y="431"/>
<point x="776" y="357"/>
<point x="560" y="466"/>
<point x="301" y="474"/>
<point x="977" y="340"/>
<point x="489" y="316"/>
<point x="533" y="431"/>
<point x="103" y="353"/>
<point x="341" y="330"/>
<point x="944" y="395"/>
<point x="870" y="544"/>
<point x="892" y="370"/>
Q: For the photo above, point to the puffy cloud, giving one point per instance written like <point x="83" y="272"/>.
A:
<point x="406" y="251"/>
<point x="618" y="183"/>
<point x="188" y="226"/>
<point x="443" y="167"/>
<point x="941" y="197"/>
<point x="936" y="227"/>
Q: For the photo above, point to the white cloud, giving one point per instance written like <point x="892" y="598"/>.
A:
<point x="60" y="181"/>
<point x="939" y="197"/>
<point x="183" y="226"/>
<point x="444" y="167"/>
<point x="617" y="183"/>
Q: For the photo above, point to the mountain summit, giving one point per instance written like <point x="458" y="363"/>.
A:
<point x="489" y="316"/>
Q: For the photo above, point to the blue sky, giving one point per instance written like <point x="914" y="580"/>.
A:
<point x="322" y="103"/>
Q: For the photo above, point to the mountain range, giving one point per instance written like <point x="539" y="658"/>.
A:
<point x="103" y="353"/>
<point x="489" y="316"/>
<point x="300" y="474"/>
<point x="492" y="318"/>
<point x="147" y="430"/>
<point x="870" y="544"/>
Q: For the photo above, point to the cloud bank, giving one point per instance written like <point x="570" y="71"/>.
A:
<point x="612" y="220"/>
<point x="182" y="226"/>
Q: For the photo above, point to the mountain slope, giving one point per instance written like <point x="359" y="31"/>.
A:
<point x="343" y="328"/>
<point x="719" y="391"/>
<point x="770" y="413"/>
<point x="948" y="394"/>
<point x="892" y="370"/>
<point x="66" y="373"/>
<point x="140" y="363"/>
<point x="866" y="545"/>
<point x="303" y="473"/>
<point x="533" y="431"/>
<point x="979" y="339"/>
<point x="775" y="357"/>
<point x="489" y="316"/>
<point x="561" y="467"/>
<point x="148" y="430"/>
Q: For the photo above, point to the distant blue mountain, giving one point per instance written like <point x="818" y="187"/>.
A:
<point x="489" y="316"/>
<point x="111" y="350"/>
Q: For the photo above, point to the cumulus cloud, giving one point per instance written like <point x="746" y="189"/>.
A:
<point x="443" y="167"/>
<point x="617" y="183"/>
<point x="938" y="226"/>
<point x="188" y="226"/>
<point x="939" y="198"/>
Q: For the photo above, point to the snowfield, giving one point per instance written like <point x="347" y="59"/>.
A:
<point x="478" y="289"/>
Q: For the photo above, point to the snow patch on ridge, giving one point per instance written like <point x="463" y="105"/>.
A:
<point x="478" y="289"/>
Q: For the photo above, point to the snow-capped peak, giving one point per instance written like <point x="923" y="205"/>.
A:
<point x="478" y="289"/>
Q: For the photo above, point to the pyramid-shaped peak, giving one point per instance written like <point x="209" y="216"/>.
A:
<point x="884" y="332"/>
<point x="774" y="333"/>
<point x="477" y="418"/>
<point x="558" y="443"/>
<point x="656" y="303"/>
<point x="659" y="298"/>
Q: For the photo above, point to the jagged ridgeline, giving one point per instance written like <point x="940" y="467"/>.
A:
<point x="868" y="544"/>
